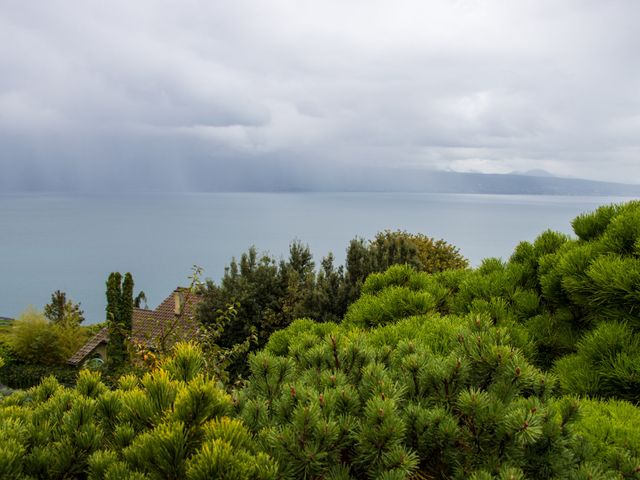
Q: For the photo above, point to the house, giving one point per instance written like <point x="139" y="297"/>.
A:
<point x="173" y="320"/>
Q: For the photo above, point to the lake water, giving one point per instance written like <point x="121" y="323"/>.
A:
<point x="72" y="243"/>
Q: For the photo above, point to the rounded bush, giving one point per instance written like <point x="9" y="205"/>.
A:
<point x="390" y="305"/>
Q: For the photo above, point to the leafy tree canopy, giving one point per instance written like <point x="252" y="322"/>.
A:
<point x="34" y="339"/>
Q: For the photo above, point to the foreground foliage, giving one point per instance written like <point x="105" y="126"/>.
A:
<point x="427" y="397"/>
<point x="170" y="424"/>
<point x="430" y="396"/>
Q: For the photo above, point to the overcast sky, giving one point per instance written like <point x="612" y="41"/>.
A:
<point x="90" y="89"/>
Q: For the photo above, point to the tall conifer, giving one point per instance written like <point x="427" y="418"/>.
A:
<point x="119" y="316"/>
<point x="127" y="302"/>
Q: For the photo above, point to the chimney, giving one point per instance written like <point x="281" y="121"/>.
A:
<point x="177" y="297"/>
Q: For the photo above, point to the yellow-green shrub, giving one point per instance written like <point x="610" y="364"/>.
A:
<point x="165" y="425"/>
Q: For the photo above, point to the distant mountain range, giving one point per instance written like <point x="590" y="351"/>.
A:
<point x="275" y="175"/>
<point x="279" y="177"/>
<point x="414" y="180"/>
<point x="536" y="172"/>
<point x="530" y="183"/>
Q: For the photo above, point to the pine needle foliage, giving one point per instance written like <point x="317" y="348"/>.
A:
<point x="550" y="294"/>
<point x="390" y="305"/>
<point x="606" y="364"/>
<point x="441" y="396"/>
<point x="169" y="424"/>
<point x="612" y="438"/>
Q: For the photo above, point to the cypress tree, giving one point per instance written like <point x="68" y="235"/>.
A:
<point x="126" y="305"/>
<point x="113" y="296"/>
<point x="119" y="316"/>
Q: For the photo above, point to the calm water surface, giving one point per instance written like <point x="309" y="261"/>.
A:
<point x="71" y="243"/>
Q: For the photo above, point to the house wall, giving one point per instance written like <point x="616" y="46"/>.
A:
<point x="100" y="350"/>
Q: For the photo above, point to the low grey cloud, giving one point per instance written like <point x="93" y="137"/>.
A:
<point x="151" y="92"/>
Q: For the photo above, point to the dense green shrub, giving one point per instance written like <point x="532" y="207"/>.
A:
<point x="606" y="364"/>
<point x="397" y="276"/>
<point x="599" y="275"/>
<point x="35" y="340"/>
<point x="611" y="434"/>
<point x="427" y="397"/>
<point x="407" y="277"/>
<point x="555" y="288"/>
<point x="529" y="256"/>
<point x="440" y="396"/>
<point x="20" y="375"/>
<point x="6" y="353"/>
<point x="591" y="225"/>
<point x="170" y="424"/>
<point x="390" y="305"/>
<point x="492" y="280"/>
<point x="434" y="396"/>
<point x="614" y="289"/>
<point x="553" y="335"/>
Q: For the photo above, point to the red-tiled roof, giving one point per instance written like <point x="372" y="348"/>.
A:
<point x="156" y="329"/>
<point x="151" y="327"/>
<point x="90" y="346"/>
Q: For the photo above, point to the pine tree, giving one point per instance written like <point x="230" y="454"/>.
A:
<point x="171" y="424"/>
<point x="430" y="396"/>
<point x="63" y="311"/>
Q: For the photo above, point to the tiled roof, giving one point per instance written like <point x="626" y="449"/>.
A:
<point x="151" y="328"/>
<point x="90" y="346"/>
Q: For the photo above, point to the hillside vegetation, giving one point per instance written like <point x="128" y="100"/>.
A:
<point x="520" y="369"/>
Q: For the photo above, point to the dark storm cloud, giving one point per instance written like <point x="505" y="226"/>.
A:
<point x="151" y="92"/>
